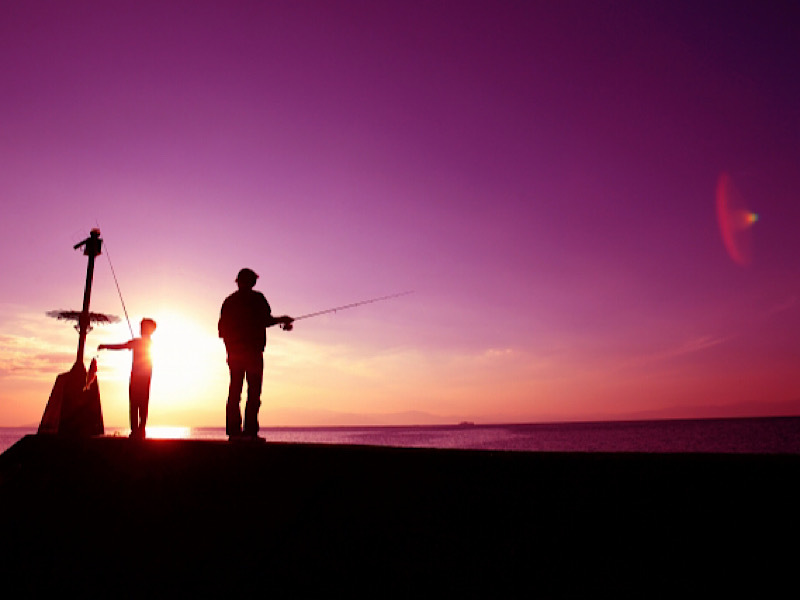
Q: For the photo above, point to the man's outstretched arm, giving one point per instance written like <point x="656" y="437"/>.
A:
<point x="283" y="320"/>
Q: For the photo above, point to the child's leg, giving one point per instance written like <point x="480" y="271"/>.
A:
<point x="134" y="413"/>
<point x="140" y="392"/>
<point x="144" y="405"/>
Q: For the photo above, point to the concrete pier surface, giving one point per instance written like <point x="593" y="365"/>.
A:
<point x="158" y="517"/>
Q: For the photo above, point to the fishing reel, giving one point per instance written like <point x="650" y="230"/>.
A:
<point x="287" y="326"/>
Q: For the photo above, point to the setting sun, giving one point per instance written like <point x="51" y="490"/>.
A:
<point x="189" y="371"/>
<point x="188" y="360"/>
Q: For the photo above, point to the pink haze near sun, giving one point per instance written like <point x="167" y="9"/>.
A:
<point x="557" y="182"/>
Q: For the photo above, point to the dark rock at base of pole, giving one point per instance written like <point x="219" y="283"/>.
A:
<point x="74" y="406"/>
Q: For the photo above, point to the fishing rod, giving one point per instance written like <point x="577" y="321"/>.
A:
<point x="288" y="326"/>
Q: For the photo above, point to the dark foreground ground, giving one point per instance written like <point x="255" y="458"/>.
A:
<point x="113" y="516"/>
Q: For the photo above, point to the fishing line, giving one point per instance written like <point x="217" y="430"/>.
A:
<point x="354" y="304"/>
<point x="113" y="273"/>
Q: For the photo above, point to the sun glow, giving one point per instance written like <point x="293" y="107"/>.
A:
<point x="190" y="376"/>
<point x="166" y="432"/>
<point x="188" y="361"/>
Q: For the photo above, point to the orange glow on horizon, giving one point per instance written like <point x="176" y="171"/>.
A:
<point x="168" y="432"/>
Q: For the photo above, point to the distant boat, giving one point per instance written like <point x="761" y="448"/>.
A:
<point x="467" y="424"/>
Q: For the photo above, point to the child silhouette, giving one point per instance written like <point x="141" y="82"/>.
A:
<point x="141" y="372"/>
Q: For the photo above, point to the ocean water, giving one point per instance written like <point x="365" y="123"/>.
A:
<point x="769" y="435"/>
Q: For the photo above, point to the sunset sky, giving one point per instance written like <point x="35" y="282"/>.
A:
<point x="596" y="204"/>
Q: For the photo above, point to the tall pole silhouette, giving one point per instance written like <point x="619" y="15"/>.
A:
<point x="92" y="247"/>
<point x="74" y="404"/>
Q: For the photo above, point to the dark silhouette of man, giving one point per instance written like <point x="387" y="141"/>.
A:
<point x="243" y="321"/>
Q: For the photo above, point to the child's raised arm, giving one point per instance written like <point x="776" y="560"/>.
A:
<point x="125" y="346"/>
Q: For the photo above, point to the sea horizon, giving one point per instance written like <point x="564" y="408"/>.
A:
<point x="771" y="434"/>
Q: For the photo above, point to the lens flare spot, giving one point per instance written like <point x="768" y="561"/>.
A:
<point x="735" y="221"/>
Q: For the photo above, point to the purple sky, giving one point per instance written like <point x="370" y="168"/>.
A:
<point x="542" y="174"/>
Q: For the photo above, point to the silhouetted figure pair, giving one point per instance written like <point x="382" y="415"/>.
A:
<point x="244" y="318"/>
<point x="141" y="373"/>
